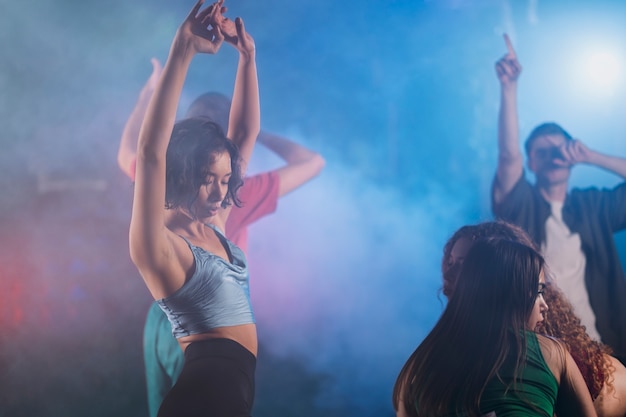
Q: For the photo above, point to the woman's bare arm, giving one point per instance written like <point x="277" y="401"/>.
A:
<point x="151" y="246"/>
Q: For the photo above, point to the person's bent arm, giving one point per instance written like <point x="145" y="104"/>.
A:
<point x="575" y="152"/>
<point x="244" y="122"/>
<point x="302" y="164"/>
<point x="127" y="152"/>
<point x="610" y="163"/>
<point x="510" y="159"/>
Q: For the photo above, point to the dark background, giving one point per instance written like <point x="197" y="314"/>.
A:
<point x="399" y="96"/>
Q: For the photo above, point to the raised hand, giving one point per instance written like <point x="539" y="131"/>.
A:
<point x="508" y="68"/>
<point x="234" y="32"/>
<point x="227" y="26"/>
<point x="198" y="32"/>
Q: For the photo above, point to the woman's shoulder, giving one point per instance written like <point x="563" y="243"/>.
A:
<point x="549" y="342"/>
<point x="554" y="354"/>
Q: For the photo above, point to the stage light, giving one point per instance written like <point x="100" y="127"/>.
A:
<point x="600" y="71"/>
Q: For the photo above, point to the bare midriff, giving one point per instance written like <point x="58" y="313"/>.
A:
<point x="244" y="334"/>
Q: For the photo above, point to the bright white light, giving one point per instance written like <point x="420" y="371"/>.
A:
<point x="602" y="71"/>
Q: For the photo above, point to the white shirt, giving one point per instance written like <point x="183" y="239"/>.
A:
<point x="566" y="260"/>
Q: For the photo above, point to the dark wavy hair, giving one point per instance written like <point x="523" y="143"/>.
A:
<point x="496" y="291"/>
<point x="560" y="321"/>
<point x="193" y="147"/>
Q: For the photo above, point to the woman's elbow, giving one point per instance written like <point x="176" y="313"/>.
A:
<point x="318" y="163"/>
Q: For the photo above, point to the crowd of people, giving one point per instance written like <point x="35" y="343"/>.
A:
<point x="535" y="319"/>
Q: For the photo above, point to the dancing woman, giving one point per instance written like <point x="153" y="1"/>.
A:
<point x="195" y="274"/>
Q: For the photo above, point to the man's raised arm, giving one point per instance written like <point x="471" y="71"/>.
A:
<point x="510" y="159"/>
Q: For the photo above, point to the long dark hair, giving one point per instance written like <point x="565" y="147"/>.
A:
<point x="193" y="147"/>
<point x="498" y="229"/>
<point x="560" y="320"/>
<point x="481" y="326"/>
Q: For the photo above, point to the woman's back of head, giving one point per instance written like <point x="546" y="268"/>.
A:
<point x="501" y="277"/>
<point x="560" y="321"/>
<point x="482" y="324"/>
<point x="471" y="233"/>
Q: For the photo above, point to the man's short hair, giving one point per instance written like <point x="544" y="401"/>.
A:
<point x="543" y="129"/>
<point x="213" y="106"/>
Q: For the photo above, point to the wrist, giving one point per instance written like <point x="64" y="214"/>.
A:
<point x="594" y="158"/>
<point x="509" y="88"/>
<point x="247" y="55"/>
<point x="181" y="51"/>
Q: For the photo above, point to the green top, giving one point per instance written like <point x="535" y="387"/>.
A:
<point x="533" y="395"/>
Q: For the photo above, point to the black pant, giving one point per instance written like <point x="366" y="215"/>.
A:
<point x="217" y="381"/>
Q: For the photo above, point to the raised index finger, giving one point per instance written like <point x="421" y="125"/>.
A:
<point x="509" y="46"/>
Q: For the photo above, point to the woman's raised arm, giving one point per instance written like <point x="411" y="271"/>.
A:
<point x="150" y="244"/>
<point x="244" y="123"/>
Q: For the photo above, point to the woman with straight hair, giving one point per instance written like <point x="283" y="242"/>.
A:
<point x="604" y="375"/>
<point x="483" y="357"/>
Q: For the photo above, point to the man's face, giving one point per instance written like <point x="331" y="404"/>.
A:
<point x="544" y="158"/>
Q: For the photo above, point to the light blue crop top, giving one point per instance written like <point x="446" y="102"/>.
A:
<point x="216" y="295"/>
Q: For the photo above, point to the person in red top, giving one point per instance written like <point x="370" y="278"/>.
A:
<point x="259" y="196"/>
